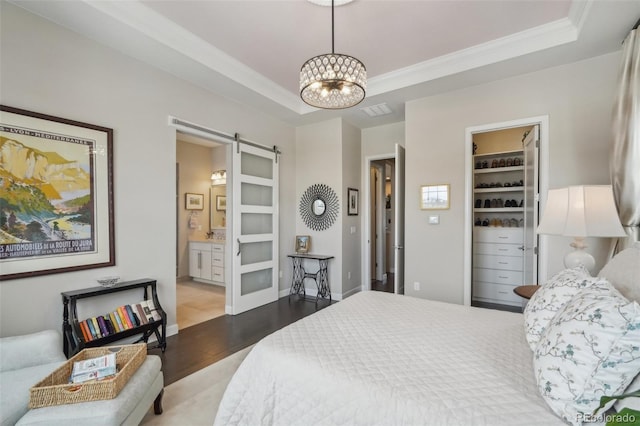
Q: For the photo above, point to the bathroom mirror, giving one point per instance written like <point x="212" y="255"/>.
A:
<point x="217" y="217"/>
<point x="319" y="207"/>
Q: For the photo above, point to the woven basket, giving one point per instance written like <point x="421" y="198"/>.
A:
<point x="55" y="389"/>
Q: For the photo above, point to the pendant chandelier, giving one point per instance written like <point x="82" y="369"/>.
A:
<point x="333" y="80"/>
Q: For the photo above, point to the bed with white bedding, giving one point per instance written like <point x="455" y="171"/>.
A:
<point x="382" y="359"/>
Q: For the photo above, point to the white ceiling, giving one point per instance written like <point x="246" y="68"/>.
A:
<point x="252" y="51"/>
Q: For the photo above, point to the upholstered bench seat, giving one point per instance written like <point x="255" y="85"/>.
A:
<point x="128" y="408"/>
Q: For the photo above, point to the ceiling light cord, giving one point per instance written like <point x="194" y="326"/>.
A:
<point x="333" y="38"/>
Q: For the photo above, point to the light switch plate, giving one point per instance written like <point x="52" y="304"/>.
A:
<point x="434" y="220"/>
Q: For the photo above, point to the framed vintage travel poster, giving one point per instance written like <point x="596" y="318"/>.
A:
<point x="56" y="195"/>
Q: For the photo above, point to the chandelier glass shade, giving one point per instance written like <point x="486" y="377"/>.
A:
<point x="333" y="80"/>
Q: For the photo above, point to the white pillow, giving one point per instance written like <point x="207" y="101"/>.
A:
<point x="623" y="271"/>
<point x="591" y="348"/>
<point x="551" y="297"/>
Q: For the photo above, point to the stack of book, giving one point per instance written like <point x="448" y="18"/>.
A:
<point x="123" y="318"/>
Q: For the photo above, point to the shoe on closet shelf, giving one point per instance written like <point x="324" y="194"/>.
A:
<point x="478" y="165"/>
<point x="494" y="164"/>
<point x="478" y="222"/>
<point x="502" y="163"/>
<point x="494" y="203"/>
<point x="499" y="203"/>
<point x="507" y="185"/>
<point x="485" y="164"/>
<point x="509" y="162"/>
<point x="487" y="203"/>
<point x="507" y="203"/>
<point x="478" y="203"/>
<point x="521" y="203"/>
<point x="485" y="222"/>
<point x="521" y="223"/>
<point x="506" y="223"/>
<point x="517" y="161"/>
<point x="514" y="223"/>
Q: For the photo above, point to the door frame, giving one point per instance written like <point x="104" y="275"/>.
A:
<point x="365" y="246"/>
<point x="543" y="187"/>
<point x="183" y="126"/>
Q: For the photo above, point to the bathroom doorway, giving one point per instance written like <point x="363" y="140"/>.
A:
<point x="200" y="229"/>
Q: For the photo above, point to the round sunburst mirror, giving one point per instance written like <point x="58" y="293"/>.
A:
<point x="319" y="207"/>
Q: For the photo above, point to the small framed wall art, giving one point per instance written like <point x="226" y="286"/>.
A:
<point x="434" y="197"/>
<point x="221" y="202"/>
<point x="352" y="199"/>
<point x="193" y="201"/>
<point x="303" y="243"/>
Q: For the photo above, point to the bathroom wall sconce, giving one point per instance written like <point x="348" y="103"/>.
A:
<point x="219" y="177"/>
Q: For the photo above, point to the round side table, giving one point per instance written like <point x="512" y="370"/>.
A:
<point x="526" y="291"/>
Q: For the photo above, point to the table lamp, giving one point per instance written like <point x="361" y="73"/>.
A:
<point x="580" y="212"/>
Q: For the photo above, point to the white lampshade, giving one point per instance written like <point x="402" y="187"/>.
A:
<point x="579" y="212"/>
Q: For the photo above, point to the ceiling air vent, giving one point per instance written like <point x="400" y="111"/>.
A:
<point x="377" y="110"/>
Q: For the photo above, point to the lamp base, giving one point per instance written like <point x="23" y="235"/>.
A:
<point x="579" y="256"/>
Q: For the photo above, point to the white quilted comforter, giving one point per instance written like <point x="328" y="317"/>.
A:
<point x="381" y="359"/>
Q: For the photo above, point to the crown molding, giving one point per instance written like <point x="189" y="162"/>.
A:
<point x="154" y="25"/>
<point x="146" y="21"/>
<point x="532" y="40"/>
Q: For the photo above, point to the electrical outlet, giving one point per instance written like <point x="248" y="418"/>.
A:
<point x="416" y="286"/>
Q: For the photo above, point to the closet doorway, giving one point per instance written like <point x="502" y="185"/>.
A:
<point x="199" y="297"/>
<point x="506" y="171"/>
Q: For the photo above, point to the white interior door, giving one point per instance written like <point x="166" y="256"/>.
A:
<point x="255" y="227"/>
<point x="398" y="252"/>
<point x="531" y="145"/>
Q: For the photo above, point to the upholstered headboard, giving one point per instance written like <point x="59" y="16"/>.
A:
<point x="623" y="271"/>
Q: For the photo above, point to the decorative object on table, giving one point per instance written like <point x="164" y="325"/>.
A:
<point x="319" y="207"/>
<point x="108" y="281"/>
<point x="434" y="197"/>
<point x="333" y="80"/>
<point x="193" y="201"/>
<point x="352" y="200"/>
<point x="40" y="238"/>
<point x="221" y="203"/>
<point x="580" y="212"/>
<point x="303" y="243"/>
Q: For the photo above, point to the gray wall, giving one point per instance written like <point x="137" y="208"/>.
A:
<point x="48" y="69"/>
<point x="578" y="99"/>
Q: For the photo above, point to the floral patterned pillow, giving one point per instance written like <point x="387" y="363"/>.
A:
<point x="551" y="297"/>
<point x="589" y="349"/>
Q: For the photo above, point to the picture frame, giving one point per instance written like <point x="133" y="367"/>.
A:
<point x="303" y="243"/>
<point x="221" y="203"/>
<point x="434" y="197"/>
<point x="352" y="201"/>
<point x="56" y="222"/>
<point x="193" y="201"/>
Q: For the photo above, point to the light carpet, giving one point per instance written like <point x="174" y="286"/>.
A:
<point x="194" y="400"/>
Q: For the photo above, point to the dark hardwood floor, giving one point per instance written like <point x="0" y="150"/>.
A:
<point x="378" y="285"/>
<point x="200" y="345"/>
